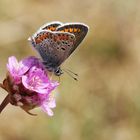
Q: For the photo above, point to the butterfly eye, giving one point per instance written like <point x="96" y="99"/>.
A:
<point x="58" y="72"/>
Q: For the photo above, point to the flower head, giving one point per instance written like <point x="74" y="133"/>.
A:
<point x="29" y="85"/>
<point x="36" y="80"/>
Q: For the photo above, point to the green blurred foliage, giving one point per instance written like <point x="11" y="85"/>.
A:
<point x="105" y="103"/>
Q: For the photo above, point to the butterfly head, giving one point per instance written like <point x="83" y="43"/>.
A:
<point x="58" y="71"/>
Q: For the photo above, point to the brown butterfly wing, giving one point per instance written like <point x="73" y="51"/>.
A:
<point x="51" y="26"/>
<point x="78" y="29"/>
<point x="56" y="41"/>
<point x="53" y="47"/>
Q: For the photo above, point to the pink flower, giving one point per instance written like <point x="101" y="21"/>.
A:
<point x="37" y="80"/>
<point x="28" y="85"/>
<point x="48" y="105"/>
<point x="16" y="69"/>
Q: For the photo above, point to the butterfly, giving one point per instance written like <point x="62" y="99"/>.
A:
<point x="56" y="41"/>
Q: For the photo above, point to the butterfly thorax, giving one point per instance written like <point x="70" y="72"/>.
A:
<point x="56" y="70"/>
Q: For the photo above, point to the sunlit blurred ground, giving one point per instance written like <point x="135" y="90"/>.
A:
<point x="105" y="103"/>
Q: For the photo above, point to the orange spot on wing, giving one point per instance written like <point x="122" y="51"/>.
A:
<point x="41" y="37"/>
<point x="75" y="30"/>
<point x="71" y="30"/>
<point x="78" y="30"/>
<point x="67" y="37"/>
<point x="37" y="40"/>
<point x="61" y="37"/>
<point x="55" y="38"/>
<point x="64" y="37"/>
<point x="45" y="35"/>
<point x="54" y="28"/>
<point x="51" y="28"/>
<point x="66" y="30"/>
<point x="62" y="31"/>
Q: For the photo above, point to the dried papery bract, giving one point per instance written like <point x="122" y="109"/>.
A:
<point x="28" y="85"/>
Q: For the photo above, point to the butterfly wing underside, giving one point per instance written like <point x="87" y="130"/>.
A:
<point x="78" y="29"/>
<point x="56" y="41"/>
<point x="53" y="47"/>
<point x="51" y="26"/>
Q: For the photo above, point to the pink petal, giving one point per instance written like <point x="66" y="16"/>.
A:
<point x="24" y="81"/>
<point x="47" y="110"/>
<point x="12" y="63"/>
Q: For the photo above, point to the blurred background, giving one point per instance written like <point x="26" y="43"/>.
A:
<point x="105" y="102"/>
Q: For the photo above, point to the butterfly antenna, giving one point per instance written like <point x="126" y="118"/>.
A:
<point x="71" y="74"/>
